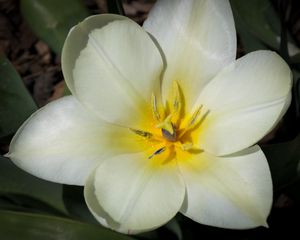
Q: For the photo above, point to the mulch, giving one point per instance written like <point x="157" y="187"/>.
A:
<point x="37" y="64"/>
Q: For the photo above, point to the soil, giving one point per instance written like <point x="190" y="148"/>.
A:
<point x="38" y="66"/>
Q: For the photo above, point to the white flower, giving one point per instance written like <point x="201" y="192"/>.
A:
<point x="161" y="124"/>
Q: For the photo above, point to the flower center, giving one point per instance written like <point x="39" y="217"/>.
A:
<point x="171" y="137"/>
<point x="173" y="130"/>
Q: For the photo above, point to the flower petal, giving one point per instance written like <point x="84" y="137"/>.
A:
<point x="133" y="194"/>
<point x="117" y="72"/>
<point x="198" y="39"/>
<point x="63" y="142"/>
<point x="244" y="101"/>
<point x="77" y="40"/>
<point x="229" y="192"/>
<point x="98" y="212"/>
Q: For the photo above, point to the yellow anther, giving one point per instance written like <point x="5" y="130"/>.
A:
<point x="176" y="98"/>
<point x="142" y="133"/>
<point x="194" y="120"/>
<point x="195" y="117"/>
<point x="175" y="103"/>
<point x="155" y="111"/>
<point x="159" y="151"/>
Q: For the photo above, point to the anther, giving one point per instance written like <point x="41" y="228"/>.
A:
<point x="194" y="120"/>
<point x="194" y="117"/>
<point x="175" y="103"/>
<point x="170" y="136"/>
<point x="141" y="133"/>
<point x="176" y="98"/>
<point x="159" y="151"/>
<point x="155" y="111"/>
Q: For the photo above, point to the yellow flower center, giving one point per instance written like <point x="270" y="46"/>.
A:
<point x="172" y="132"/>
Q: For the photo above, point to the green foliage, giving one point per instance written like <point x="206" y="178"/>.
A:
<point x="257" y="23"/>
<point x="51" y="20"/>
<point x="115" y="6"/>
<point x="15" y="182"/>
<point x="75" y="203"/>
<point x="16" y="104"/>
<point x="284" y="160"/>
<point x="17" y="225"/>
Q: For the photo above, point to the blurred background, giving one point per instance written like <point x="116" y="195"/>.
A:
<point x="32" y="34"/>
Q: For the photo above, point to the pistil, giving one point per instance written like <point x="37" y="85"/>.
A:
<point x="171" y="120"/>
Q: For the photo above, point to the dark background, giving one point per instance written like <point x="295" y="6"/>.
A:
<point x="37" y="61"/>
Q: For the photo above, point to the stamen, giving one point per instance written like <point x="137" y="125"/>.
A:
<point x="142" y="133"/>
<point x="168" y="135"/>
<point x="176" y="98"/>
<point x="194" y="117"/>
<point x="176" y="103"/>
<point x="194" y="120"/>
<point x="155" y="111"/>
<point x="159" y="151"/>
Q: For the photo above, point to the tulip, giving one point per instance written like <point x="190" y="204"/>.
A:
<point x="162" y="119"/>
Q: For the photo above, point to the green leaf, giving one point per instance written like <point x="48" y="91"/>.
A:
<point x="74" y="201"/>
<point x="295" y="61"/>
<point x="16" y="225"/>
<point x="16" y="104"/>
<point x="115" y="6"/>
<point x="24" y="203"/>
<point x="67" y="91"/>
<point x="283" y="160"/>
<point x="15" y="181"/>
<point x="259" y="18"/>
<point x="51" y="20"/>
<point x="250" y="42"/>
<point x="174" y="227"/>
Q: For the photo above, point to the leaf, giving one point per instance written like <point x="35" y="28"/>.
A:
<point x="115" y="6"/>
<point x="51" y="20"/>
<point x="174" y="227"/>
<point x="283" y="158"/>
<point x="74" y="201"/>
<point x="24" y="203"/>
<point x="295" y="61"/>
<point x="255" y="16"/>
<point x="67" y="91"/>
<point x="17" y="225"/>
<point x="16" y="104"/>
<point x="15" y="181"/>
<point x="250" y="42"/>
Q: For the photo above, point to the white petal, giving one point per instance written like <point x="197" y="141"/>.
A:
<point x="245" y="101"/>
<point x="98" y="212"/>
<point x="77" y="40"/>
<point x="133" y="194"/>
<point x="229" y="192"/>
<point x="117" y="72"/>
<point x="198" y="39"/>
<point x="63" y="142"/>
